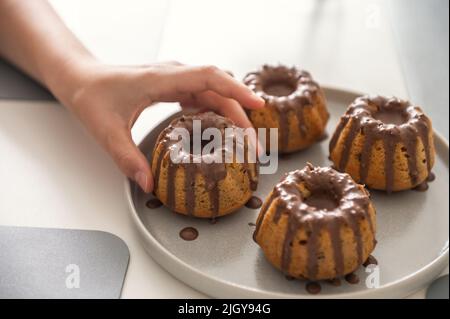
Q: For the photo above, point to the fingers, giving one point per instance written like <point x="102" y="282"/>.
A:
<point x="228" y="108"/>
<point x="128" y="157"/>
<point x="181" y="80"/>
<point x="224" y="106"/>
<point x="199" y="79"/>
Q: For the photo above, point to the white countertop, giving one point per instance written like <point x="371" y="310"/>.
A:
<point x="54" y="175"/>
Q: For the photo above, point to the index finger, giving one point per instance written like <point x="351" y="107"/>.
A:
<point x="210" y="78"/>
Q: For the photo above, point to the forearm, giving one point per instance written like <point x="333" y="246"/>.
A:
<point x="35" y="39"/>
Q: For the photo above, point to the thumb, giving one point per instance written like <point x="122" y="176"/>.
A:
<point x="129" y="158"/>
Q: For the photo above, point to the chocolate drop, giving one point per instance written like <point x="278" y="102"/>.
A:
<point x="371" y="260"/>
<point x="352" y="278"/>
<point x="189" y="233"/>
<point x="313" y="288"/>
<point x="422" y="187"/>
<point x="254" y="202"/>
<point x="153" y="203"/>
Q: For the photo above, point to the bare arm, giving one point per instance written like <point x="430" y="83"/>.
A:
<point x="33" y="37"/>
<point x="108" y="99"/>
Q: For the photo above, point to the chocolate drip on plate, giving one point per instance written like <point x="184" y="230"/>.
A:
<point x="352" y="278"/>
<point x="313" y="288"/>
<point x="422" y="187"/>
<point x="153" y="203"/>
<point x="254" y="202"/>
<point x="189" y="233"/>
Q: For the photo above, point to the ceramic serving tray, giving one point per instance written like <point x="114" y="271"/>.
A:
<point x="224" y="261"/>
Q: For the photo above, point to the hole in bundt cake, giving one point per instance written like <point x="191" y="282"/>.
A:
<point x="396" y="117"/>
<point x="207" y="120"/>
<point x="281" y="87"/>
<point x="322" y="200"/>
<point x="203" y="144"/>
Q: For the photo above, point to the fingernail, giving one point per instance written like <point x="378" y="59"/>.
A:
<point x="260" y="100"/>
<point x="141" y="179"/>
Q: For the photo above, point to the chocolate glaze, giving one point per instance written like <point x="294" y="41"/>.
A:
<point x="390" y="120"/>
<point x="189" y="233"/>
<point x="424" y="185"/>
<point x="289" y="278"/>
<point x="212" y="171"/>
<point x="335" y="282"/>
<point x="371" y="260"/>
<point x="352" y="205"/>
<point x="287" y="90"/>
<point x="352" y="278"/>
<point x="313" y="288"/>
<point x="153" y="203"/>
<point x="323" y="137"/>
<point x="254" y="202"/>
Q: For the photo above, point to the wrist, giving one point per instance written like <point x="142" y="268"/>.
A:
<point x="66" y="78"/>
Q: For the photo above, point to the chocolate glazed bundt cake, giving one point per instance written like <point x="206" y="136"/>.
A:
<point x="295" y="104"/>
<point x="316" y="224"/>
<point x="203" y="185"/>
<point x="384" y="143"/>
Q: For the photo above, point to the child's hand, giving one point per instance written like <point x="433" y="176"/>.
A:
<point x="109" y="101"/>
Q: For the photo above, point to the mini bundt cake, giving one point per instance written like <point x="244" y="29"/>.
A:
<point x="384" y="143"/>
<point x="203" y="184"/>
<point x="316" y="224"/>
<point x="295" y="104"/>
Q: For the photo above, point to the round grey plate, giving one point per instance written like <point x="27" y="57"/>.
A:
<point x="224" y="261"/>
